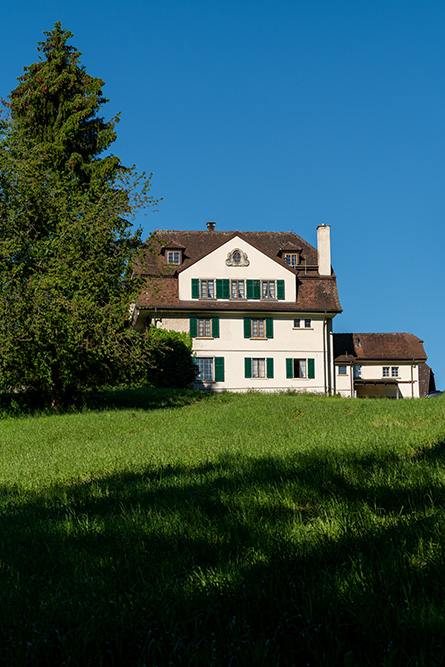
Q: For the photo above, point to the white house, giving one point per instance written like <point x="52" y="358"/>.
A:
<point x="258" y="305"/>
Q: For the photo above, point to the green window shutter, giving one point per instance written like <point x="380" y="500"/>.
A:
<point x="269" y="327"/>
<point x="269" y="366"/>
<point x="193" y="327"/>
<point x="222" y="288"/>
<point x="247" y="327"/>
<point x="289" y="368"/>
<point x="195" y="288"/>
<point x="257" y="289"/>
<point x="280" y="289"/>
<point x="247" y="367"/>
<point x="215" y="327"/>
<point x="249" y="289"/>
<point x="311" y="368"/>
<point x="219" y="369"/>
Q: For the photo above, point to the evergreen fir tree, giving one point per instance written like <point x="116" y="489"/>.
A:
<point x="66" y="240"/>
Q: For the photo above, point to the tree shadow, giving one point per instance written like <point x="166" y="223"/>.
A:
<point x="30" y="402"/>
<point x="239" y="561"/>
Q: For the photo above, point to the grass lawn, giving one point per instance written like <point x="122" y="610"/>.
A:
<point x="190" y="529"/>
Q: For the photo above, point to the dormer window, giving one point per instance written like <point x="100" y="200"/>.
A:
<point x="291" y="258"/>
<point x="173" y="257"/>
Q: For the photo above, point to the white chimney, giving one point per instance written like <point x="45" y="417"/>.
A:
<point x="324" y="249"/>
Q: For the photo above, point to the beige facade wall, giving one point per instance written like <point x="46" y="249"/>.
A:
<point x="287" y="342"/>
<point x="214" y="266"/>
<point x="407" y="380"/>
<point x="343" y="384"/>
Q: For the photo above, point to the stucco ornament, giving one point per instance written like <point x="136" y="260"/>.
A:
<point x="237" y="257"/>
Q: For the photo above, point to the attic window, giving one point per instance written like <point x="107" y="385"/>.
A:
<point x="291" y="258"/>
<point x="236" y="257"/>
<point x="173" y="257"/>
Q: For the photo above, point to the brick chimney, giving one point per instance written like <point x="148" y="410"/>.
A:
<point x="211" y="226"/>
<point x="324" y="249"/>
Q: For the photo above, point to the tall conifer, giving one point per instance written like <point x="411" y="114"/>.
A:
<point x="66" y="240"/>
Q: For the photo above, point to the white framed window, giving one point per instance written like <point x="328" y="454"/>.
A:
<point x="307" y="324"/>
<point x="204" y="327"/>
<point x="207" y="289"/>
<point x="291" y="258"/>
<point x="341" y="370"/>
<point x="173" y="257"/>
<point x="258" y="368"/>
<point x="297" y="324"/>
<point x="268" y="289"/>
<point x="386" y="371"/>
<point x="205" y="367"/>
<point x="237" y="290"/>
<point x="394" y="371"/>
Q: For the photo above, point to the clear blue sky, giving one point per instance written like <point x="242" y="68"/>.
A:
<point x="279" y="116"/>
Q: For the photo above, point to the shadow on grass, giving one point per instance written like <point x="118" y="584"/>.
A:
<point x="28" y="403"/>
<point x="238" y="562"/>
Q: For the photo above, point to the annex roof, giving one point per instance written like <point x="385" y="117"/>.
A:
<point x="354" y="347"/>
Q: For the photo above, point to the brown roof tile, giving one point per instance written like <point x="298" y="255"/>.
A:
<point x="198" y="244"/>
<point x="378" y="346"/>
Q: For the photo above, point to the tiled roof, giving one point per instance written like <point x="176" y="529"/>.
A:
<point x="353" y="347"/>
<point x="314" y="293"/>
<point x="198" y="244"/>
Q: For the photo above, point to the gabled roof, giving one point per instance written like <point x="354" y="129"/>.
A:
<point x="356" y="347"/>
<point x="198" y="244"/>
<point x="314" y="292"/>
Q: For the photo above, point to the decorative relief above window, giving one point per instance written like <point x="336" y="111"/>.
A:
<point x="237" y="258"/>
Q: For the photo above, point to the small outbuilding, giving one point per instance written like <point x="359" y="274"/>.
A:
<point x="381" y="365"/>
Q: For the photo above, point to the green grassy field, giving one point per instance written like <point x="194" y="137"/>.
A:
<point x="189" y="529"/>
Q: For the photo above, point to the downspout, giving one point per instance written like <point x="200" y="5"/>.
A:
<point x="351" y="372"/>
<point x="412" y="380"/>
<point x="324" y="351"/>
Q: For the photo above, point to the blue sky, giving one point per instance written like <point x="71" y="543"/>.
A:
<point x="280" y="116"/>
